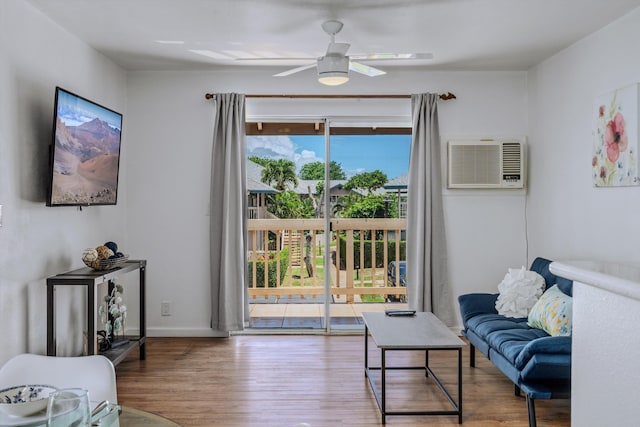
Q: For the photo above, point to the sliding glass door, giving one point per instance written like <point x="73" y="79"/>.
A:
<point x="326" y="223"/>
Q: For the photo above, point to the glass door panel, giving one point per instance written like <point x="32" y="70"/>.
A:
<point x="368" y="211"/>
<point x="286" y="231"/>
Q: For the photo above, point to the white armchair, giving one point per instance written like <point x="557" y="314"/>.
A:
<point x="93" y="373"/>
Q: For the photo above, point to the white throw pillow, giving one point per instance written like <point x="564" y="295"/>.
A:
<point x="519" y="291"/>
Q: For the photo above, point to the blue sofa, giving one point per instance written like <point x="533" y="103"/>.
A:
<point x="538" y="364"/>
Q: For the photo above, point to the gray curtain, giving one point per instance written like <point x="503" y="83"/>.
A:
<point x="427" y="278"/>
<point x="228" y="224"/>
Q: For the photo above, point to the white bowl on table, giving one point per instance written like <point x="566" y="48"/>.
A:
<point x="24" y="400"/>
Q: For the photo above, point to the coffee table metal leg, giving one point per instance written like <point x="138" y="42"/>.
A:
<point x="460" y="386"/>
<point x="426" y="363"/>
<point x="384" y="387"/>
<point x="366" y="350"/>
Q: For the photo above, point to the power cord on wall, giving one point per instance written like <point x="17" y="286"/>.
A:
<point x="526" y="230"/>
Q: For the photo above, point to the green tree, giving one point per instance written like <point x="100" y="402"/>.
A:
<point x="315" y="170"/>
<point x="288" y="204"/>
<point x="370" y="206"/>
<point x="369" y="181"/>
<point x="279" y="172"/>
<point x="262" y="161"/>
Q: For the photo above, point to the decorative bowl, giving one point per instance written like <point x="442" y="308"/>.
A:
<point x="24" y="400"/>
<point x="107" y="264"/>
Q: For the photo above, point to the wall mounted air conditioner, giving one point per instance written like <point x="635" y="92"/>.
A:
<point x="486" y="164"/>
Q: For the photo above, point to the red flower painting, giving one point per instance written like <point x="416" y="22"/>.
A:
<point x="614" y="160"/>
<point x="615" y="137"/>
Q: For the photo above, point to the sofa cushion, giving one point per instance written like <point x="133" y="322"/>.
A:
<point x="511" y="342"/>
<point x="484" y="324"/>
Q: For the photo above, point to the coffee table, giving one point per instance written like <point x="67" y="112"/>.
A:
<point x="422" y="331"/>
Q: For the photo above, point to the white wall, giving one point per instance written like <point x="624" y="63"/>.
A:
<point x="570" y="219"/>
<point x="170" y="126"/>
<point x="610" y="365"/>
<point x="606" y="312"/>
<point x="37" y="241"/>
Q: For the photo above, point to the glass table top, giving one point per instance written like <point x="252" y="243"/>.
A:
<point x="130" y="417"/>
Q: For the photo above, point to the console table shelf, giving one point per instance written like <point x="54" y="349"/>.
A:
<point x="91" y="279"/>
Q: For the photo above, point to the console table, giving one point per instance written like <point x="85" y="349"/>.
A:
<point x="91" y="279"/>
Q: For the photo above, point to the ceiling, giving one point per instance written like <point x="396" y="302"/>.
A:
<point x="461" y="34"/>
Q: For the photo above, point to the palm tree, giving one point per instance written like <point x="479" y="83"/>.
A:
<point x="280" y="172"/>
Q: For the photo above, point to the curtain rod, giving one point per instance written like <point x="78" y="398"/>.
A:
<point x="443" y="96"/>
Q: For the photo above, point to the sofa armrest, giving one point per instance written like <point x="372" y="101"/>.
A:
<point x="474" y="304"/>
<point x="544" y="345"/>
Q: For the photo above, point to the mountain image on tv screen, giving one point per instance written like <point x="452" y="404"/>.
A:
<point x="86" y="153"/>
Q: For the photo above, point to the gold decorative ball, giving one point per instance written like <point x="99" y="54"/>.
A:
<point x="104" y="252"/>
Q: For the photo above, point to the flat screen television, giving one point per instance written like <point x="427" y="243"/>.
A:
<point x="85" y="153"/>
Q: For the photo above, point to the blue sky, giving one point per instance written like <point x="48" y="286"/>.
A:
<point x="74" y="111"/>
<point x="356" y="153"/>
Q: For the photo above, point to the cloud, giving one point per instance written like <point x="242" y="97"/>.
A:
<point x="351" y="172"/>
<point x="307" y="156"/>
<point x="277" y="147"/>
<point x="280" y="147"/>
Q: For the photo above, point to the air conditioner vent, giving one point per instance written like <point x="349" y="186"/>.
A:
<point x="485" y="164"/>
<point x="511" y="158"/>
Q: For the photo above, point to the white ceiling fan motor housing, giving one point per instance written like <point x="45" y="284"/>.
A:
<point x="333" y="66"/>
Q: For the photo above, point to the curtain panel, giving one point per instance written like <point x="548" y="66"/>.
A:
<point x="228" y="207"/>
<point x="427" y="271"/>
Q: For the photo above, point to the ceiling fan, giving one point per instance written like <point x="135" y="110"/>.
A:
<point x="333" y="67"/>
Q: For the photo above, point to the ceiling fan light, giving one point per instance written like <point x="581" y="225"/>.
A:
<point x="333" y="70"/>
<point x="334" y="78"/>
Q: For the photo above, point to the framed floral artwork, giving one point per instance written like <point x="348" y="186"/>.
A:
<point x="615" y="152"/>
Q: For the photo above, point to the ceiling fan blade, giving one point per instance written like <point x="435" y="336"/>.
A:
<point x="338" y="49"/>
<point x="365" y="69"/>
<point x="395" y="56"/>
<point x="279" y="58"/>
<point x="295" y="70"/>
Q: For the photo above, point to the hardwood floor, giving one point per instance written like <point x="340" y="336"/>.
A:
<point x="284" y="380"/>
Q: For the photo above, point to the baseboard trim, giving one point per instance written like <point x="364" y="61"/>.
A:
<point x="182" y="332"/>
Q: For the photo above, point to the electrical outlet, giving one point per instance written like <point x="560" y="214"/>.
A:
<point x="165" y="308"/>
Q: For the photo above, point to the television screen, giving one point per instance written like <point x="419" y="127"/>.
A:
<point x="86" y="152"/>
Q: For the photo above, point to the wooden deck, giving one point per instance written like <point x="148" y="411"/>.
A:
<point x="309" y="315"/>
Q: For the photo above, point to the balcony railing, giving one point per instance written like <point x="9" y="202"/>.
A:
<point x="286" y="258"/>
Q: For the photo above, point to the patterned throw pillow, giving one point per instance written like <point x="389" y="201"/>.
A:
<point x="552" y="313"/>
